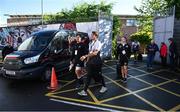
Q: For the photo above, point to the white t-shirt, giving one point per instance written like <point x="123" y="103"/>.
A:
<point x="95" y="46"/>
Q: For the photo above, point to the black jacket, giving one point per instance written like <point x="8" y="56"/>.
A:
<point x="78" y="50"/>
<point x="152" y="49"/>
<point x="126" y="48"/>
<point x="172" y="50"/>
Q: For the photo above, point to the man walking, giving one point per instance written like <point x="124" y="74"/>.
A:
<point x="94" y="64"/>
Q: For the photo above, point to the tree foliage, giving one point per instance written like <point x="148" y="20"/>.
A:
<point x="85" y="12"/>
<point x="152" y="8"/>
<point x="82" y="12"/>
<point x="147" y="10"/>
<point x="143" y="37"/>
<point x="176" y="3"/>
<point x="116" y="32"/>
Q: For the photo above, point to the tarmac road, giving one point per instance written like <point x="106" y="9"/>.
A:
<point x="145" y="90"/>
<point x="29" y="95"/>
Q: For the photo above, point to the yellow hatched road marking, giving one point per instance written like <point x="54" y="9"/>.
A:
<point x="97" y="102"/>
<point x="148" y="102"/>
<point x="55" y="92"/>
<point x="93" y="96"/>
<point x="165" y="78"/>
<point x="168" y="91"/>
<point x="158" y="86"/>
<point x="71" y="99"/>
<point x="113" y="98"/>
<point x="155" y="85"/>
<point x="175" y="108"/>
<point x="116" y="97"/>
<point x="63" y="81"/>
<point x="93" y="103"/>
<point x="68" y="90"/>
<point x="154" y="74"/>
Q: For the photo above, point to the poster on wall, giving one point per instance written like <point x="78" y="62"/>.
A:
<point x="105" y="24"/>
<point x="14" y="36"/>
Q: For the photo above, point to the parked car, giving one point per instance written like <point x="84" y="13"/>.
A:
<point x="37" y="55"/>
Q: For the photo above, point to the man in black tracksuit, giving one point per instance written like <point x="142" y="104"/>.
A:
<point x="79" y="49"/>
<point x="94" y="65"/>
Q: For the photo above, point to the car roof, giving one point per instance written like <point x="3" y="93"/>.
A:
<point x="45" y="32"/>
<point x="52" y="32"/>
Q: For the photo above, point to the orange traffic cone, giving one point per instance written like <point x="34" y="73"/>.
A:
<point x="54" y="81"/>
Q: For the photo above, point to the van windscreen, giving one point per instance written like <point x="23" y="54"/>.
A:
<point x="35" y="43"/>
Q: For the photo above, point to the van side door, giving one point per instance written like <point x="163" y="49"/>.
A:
<point x="59" y="49"/>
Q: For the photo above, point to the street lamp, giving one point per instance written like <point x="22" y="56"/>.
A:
<point x="42" y="12"/>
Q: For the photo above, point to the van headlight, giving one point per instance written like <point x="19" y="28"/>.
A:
<point x="30" y="60"/>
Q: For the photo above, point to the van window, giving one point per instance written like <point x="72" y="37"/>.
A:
<point x="60" y="41"/>
<point x="35" y="43"/>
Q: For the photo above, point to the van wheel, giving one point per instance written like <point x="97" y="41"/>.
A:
<point x="47" y="74"/>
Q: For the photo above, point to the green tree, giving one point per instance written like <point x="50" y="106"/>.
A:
<point x="147" y="10"/>
<point x="85" y="12"/>
<point x="82" y="12"/>
<point x="116" y="32"/>
<point x="144" y="39"/>
<point x="176" y="3"/>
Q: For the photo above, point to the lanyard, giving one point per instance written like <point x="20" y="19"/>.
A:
<point x="91" y="46"/>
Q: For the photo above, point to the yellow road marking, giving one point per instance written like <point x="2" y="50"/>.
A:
<point x="158" y="86"/>
<point x="148" y="102"/>
<point x="117" y="83"/>
<point x="175" y="108"/>
<point x="93" y="103"/>
<point x="155" y="74"/>
<point x="68" y="90"/>
<point x="72" y="99"/>
<point x="130" y="92"/>
<point x="165" y="78"/>
<point x="93" y="96"/>
<point x="113" y="98"/>
<point x="54" y="92"/>
<point x="168" y="91"/>
<point x="116" y="97"/>
<point x="155" y="85"/>
<point x="63" y="81"/>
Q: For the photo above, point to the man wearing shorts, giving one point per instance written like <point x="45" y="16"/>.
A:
<point x="79" y="50"/>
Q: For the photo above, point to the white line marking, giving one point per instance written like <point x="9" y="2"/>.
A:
<point x="84" y="105"/>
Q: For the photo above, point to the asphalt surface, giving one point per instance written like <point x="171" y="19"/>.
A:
<point x="29" y="95"/>
<point x="145" y="90"/>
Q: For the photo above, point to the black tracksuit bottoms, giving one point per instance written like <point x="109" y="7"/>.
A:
<point x="94" y="71"/>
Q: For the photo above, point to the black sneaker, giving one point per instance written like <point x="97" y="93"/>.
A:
<point x="125" y="80"/>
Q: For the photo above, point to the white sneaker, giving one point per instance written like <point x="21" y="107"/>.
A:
<point x="103" y="89"/>
<point x="82" y="93"/>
